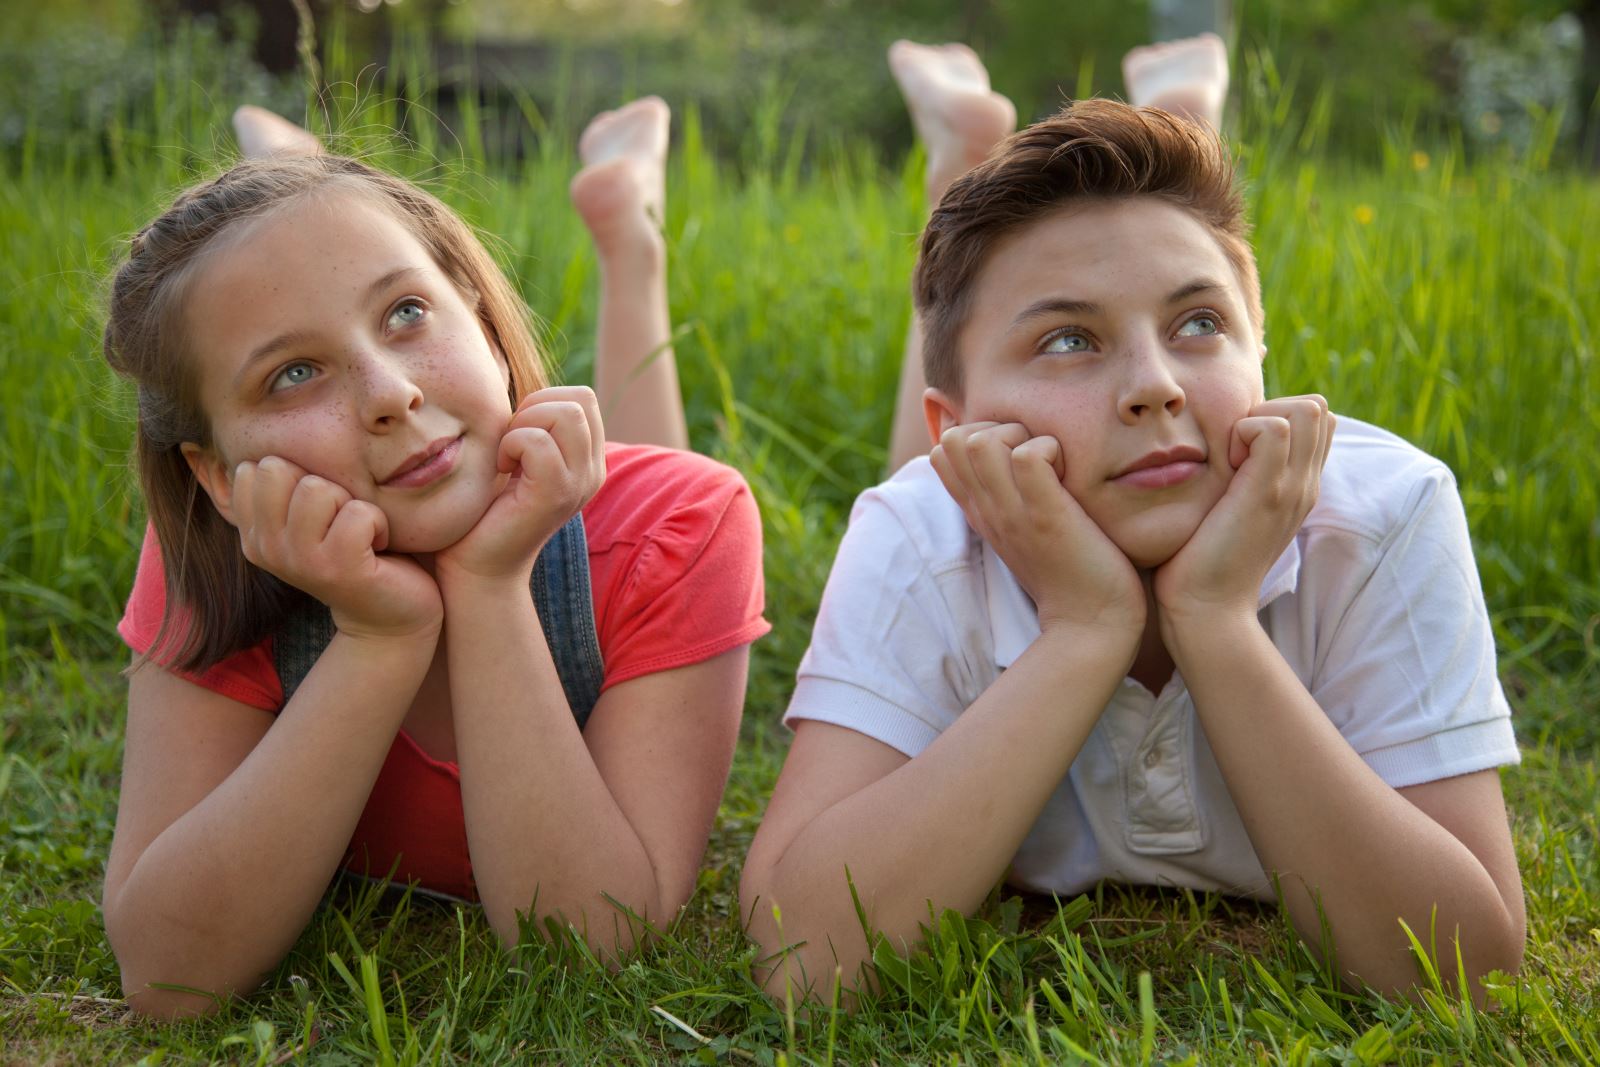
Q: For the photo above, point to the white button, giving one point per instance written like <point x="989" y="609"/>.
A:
<point x="1152" y="757"/>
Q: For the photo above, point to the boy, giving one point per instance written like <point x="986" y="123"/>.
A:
<point x="1130" y="620"/>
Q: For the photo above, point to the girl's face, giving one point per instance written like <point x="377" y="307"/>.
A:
<point x="1121" y="330"/>
<point x="326" y="335"/>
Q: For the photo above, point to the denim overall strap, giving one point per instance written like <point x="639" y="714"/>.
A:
<point x="561" y="596"/>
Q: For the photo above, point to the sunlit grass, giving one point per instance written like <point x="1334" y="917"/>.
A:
<point x="1453" y="302"/>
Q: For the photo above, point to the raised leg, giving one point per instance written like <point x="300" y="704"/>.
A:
<point x="620" y="193"/>
<point x="959" y="120"/>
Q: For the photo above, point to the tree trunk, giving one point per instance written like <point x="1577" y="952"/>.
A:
<point x="1588" y="14"/>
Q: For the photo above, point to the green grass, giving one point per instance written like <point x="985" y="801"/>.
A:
<point x="1453" y="302"/>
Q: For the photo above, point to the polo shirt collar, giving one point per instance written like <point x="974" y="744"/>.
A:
<point x="1015" y="620"/>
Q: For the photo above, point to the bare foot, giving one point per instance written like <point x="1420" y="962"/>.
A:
<point x="622" y="187"/>
<point x="262" y="134"/>
<point x="1188" y="77"/>
<point x="958" y="118"/>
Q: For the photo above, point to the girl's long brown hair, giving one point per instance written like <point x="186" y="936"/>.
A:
<point x="217" y="602"/>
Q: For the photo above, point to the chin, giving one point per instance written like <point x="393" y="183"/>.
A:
<point x="1149" y="550"/>
<point x="1149" y="560"/>
<point x="444" y="520"/>
<point x="424" y="539"/>
<point x="449" y="524"/>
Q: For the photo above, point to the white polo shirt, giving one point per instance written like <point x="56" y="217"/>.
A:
<point x="1376" y="606"/>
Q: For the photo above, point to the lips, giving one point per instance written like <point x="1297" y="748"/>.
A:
<point x="1161" y="469"/>
<point x="426" y="465"/>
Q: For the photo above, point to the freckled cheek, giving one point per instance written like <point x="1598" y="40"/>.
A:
<point x="1045" y="412"/>
<point x="313" y="440"/>
<point x="1076" y="420"/>
<point x="1222" y="404"/>
<point x="460" y="365"/>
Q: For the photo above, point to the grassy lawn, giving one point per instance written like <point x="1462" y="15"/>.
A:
<point x="1453" y="303"/>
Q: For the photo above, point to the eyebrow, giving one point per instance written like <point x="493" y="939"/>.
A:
<point x="1053" y="305"/>
<point x="292" y="338"/>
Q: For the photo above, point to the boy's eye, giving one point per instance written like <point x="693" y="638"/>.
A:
<point x="292" y="375"/>
<point x="1066" y="341"/>
<point x="1200" y="326"/>
<point x="407" y="314"/>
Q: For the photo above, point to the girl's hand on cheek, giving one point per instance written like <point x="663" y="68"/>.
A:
<point x="1009" y="485"/>
<point x="1278" y="451"/>
<point x="315" y="536"/>
<point x="554" y="450"/>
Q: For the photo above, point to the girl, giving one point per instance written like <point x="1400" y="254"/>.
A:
<point x="402" y="608"/>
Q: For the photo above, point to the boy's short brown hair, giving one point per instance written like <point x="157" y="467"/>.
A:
<point x="1089" y="150"/>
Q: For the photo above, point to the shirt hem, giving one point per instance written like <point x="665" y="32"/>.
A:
<point x="845" y="704"/>
<point x="1461" y="750"/>
<point x="685" y="657"/>
<point x="250" y="695"/>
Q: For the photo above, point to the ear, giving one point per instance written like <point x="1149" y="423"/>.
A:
<point x="214" y="476"/>
<point x="940" y="411"/>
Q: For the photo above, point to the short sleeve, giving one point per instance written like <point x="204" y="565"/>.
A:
<point x="247" y="676"/>
<point x="1409" y="674"/>
<point x="889" y="654"/>
<point x="675" y="562"/>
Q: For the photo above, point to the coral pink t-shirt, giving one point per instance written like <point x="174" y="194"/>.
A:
<point x="675" y="567"/>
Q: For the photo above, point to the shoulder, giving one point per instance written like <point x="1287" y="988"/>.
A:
<point x="1388" y="625"/>
<point x="247" y="676"/>
<point x="652" y="492"/>
<point x="902" y="642"/>
<point x="1375" y="483"/>
<point x="908" y="579"/>
<point x="913" y="509"/>
<point x="674" y="560"/>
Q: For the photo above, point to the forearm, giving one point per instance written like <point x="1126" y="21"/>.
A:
<point x="220" y="895"/>
<point x="544" y="830"/>
<point x="941" y="828"/>
<point x="1334" y="832"/>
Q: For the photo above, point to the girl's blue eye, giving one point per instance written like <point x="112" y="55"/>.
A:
<point x="1200" y="326"/>
<point x="293" y="374"/>
<point x="406" y="314"/>
<point x="1067" y="341"/>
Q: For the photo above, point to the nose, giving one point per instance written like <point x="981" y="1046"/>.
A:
<point x="388" y="390"/>
<point x="1150" y="383"/>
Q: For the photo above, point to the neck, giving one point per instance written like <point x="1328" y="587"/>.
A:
<point x="1152" y="665"/>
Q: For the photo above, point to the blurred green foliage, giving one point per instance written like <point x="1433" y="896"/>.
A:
<point x="1434" y="66"/>
<point x="1437" y="66"/>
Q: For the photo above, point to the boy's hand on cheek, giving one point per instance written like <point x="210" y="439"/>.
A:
<point x="1278" y="451"/>
<point x="554" y="450"/>
<point x="314" y="535"/>
<point x="1009" y="485"/>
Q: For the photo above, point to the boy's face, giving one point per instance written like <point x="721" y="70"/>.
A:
<point x="1120" y="329"/>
